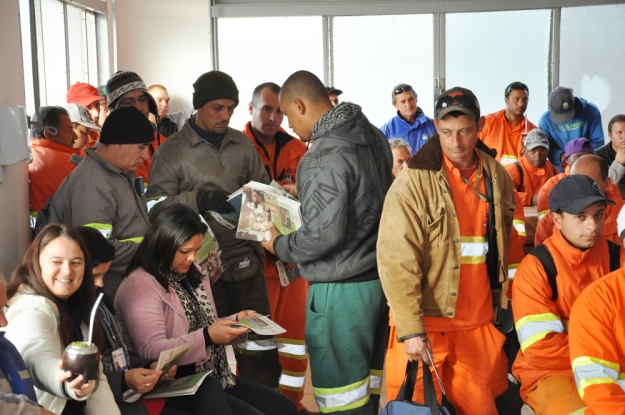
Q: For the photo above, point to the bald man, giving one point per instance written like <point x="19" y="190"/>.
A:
<point x="341" y="181"/>
<point x="597" y="169"/>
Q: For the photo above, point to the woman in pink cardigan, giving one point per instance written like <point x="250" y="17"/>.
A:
<point x="165" y="302"/>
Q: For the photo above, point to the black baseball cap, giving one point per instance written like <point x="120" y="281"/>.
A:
<point x="575" y="193"/>
<point x="561" y="105"/>
<point x="330" y="89"/>
<point x="457" y="99"/>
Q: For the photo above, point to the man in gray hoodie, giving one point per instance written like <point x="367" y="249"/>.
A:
<point x="341" y="182"/>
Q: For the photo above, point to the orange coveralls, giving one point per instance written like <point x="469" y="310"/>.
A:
<point x="288" y="304"/>
<point x="533" y="178"/>
<point x="544" y="229"/>
<point x="543" y="365"/>
<point x="505" y="138"/>
<point x="517" y="242"/>
<point x="467" y="349"/>
<point x="597" y="345"/>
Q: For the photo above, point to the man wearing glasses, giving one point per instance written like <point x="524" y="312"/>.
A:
<point x="442" y="255"/>
<point x="504" y="130"/>
<point x="127" y="89"/>
<point x="410" y="123"/>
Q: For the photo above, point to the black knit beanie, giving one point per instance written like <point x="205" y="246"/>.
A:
<point x="214" y="85"/>
<point x="123" y="82"/>
<point x="126" y="125"/>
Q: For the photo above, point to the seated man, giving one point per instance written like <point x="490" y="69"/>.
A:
<point x="533" y="169"/>
<point x="614" y="151"/>
<point x="569" y="117"/>
<point x="52" y="141"/>
<point x="410" y="123"/>
<point x="333" y="94"/>
<point x="17" y="392"/>
<point x="596" y="168"/>
<point x="504" y="130"/>
<point x="596" y="347"/>
<point x="401" y="154"/>
<point x="574" y="150"/>
<point x="547" y="284"/>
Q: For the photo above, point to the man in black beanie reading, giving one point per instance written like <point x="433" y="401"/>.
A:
<point x="199" y="166"/>
<point x="103" y="193"/>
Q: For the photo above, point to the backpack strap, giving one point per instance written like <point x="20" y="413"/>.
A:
<point x="544" y="256"/>
<point x="518" y="166"/>
<point x="615" y="256"/>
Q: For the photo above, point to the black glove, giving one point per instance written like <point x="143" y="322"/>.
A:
<point x="213" y="200"/>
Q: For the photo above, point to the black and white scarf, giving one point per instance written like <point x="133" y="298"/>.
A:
<point x="201" y="314"/>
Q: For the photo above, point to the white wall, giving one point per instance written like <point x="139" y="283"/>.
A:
<point x="165" y="42"/>
<point x="14" y="212"/>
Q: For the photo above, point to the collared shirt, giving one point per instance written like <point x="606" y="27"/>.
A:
<point x="416" y="134"/>
<point x="507" y="139"/>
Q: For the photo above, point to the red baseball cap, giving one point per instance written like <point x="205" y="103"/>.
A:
<point x="82" y="94"/>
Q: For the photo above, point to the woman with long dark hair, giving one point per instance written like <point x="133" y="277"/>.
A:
<point x="165" y="302"/>
<point x="51" y="294"/>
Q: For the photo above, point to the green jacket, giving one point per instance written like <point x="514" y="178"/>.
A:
<point x="418" y="251"/>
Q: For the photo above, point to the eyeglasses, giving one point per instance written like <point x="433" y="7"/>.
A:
<point x="128" y="102"/>
<point x="402" y="89"/>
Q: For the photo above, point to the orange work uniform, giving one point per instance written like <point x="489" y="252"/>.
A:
<point x="507" y="139"/>
<point x="544" y="229"/>
<point x="517" y="242"/>
<point x="94" y="136"/>
<point x="532" y="180"/>
<point x="50" y="166"/>
<point x="542" y="365"/>
<point x="144" y="169"/>
<point x="288" y="304"/>
<point x="597" y="345"/>
<point x="467" y="349"/>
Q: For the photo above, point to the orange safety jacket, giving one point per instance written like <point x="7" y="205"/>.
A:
<point x="94" y="136"/>
<point x="144" y="169"/>
<point x="541" y="322"/>
<point x="597" y="345"/>
<point x="517" y="242"/>
<point x="50" y="166"/>
<point x="544" y="229"/>
<point x="542" y="205"/>
<point x="505" y="138"/>
<point x="532" y="180"/>
<point x="289" y="151"/>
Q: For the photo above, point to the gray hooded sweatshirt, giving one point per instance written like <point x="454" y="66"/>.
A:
<point x="341" y="182"/>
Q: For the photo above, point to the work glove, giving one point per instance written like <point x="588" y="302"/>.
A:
<point x="213" y="200"/>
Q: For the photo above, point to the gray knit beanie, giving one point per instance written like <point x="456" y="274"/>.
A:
<point x="214" y="85"/>
<point x="123" y="82"/>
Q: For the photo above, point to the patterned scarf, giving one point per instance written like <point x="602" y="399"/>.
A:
<point x="335" y="116"/>
<point x="201" y="314"/>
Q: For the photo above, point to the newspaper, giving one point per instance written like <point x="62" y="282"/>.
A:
<point x="178" y="387"/>
<point x="260" y="324"/>
<point x="209" y="256"/>
<point x="171" y="357"/>
<point x="261" y="205"/>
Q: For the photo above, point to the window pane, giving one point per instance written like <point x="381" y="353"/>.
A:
<point x="92" y="49"/>
<point x="52" y="53"/>
<point x="372" y="54"/>
<point x="267" y="49"/>
<point x="27" y="58"/>
<point x="77" y="39"/>
<point x="592" y="58"/>
<point x="487" y="51"/>
<point x="103" y="49"/>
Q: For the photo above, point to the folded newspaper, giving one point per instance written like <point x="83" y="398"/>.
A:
<point x="178" y="387"/>
<point x="263" y="204"/>
<point x="260" y="324"/>
<point x="209" y="256"/>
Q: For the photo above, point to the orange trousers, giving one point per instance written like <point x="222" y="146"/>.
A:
<point x="555" y="395"/>
<point x="471" y="363"/>
<point x="288" y="309"/>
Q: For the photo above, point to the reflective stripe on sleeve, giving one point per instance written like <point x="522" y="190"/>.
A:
<point x="106" y="229"/>
<point x="136" y="240"/>
<point x="343" y="398"/>
<point x="256" y="345"/>
<point x="473" y="249"/>
<point x="519" y="225"/>
<point x="292" y="381"/>
<point x="512" y="270"/>
<point x="507" y="159"/>
<point x="592" y="371"/>
<point x="151" y="202"/>
<point x="376" y="382"/>
<point x="292" y="349"/>
<point x="535" y="327"/>
<point x="580" y="411"/>
<point x="542" y="213"/>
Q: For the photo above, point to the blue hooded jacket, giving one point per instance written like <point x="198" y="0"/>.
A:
<point x="586" y="123"/>
<point x="415" y="134"/>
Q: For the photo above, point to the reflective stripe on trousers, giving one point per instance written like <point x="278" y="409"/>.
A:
<point x="256" y="345"/>
<point x="592" y="371"/>
<point x="292" y="349"/>
<point x="535" y="327"/>
<point x="344" y="398"/>
<point x="292" y="381"/>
